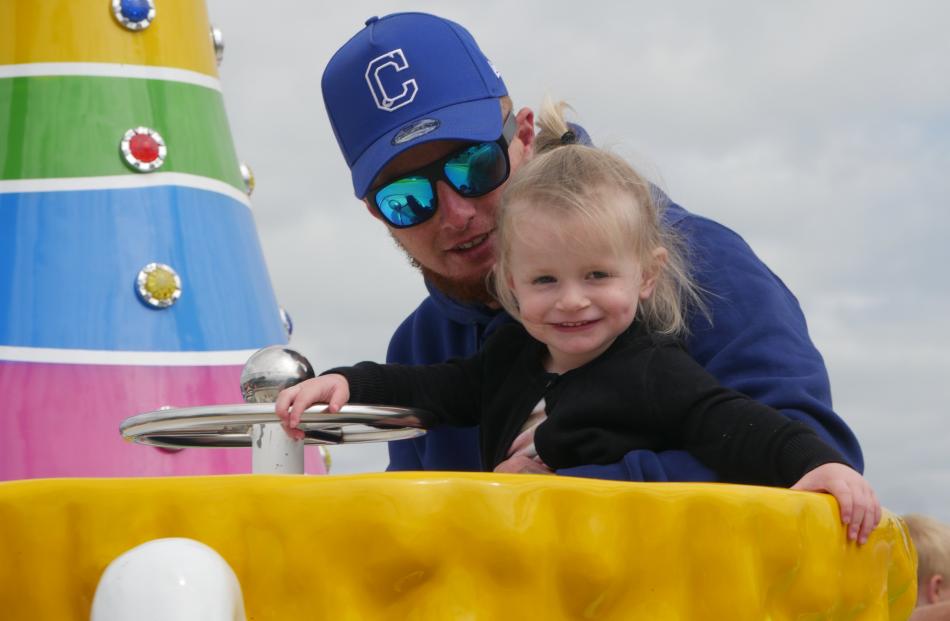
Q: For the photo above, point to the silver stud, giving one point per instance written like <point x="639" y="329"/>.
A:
<point x="217" y="40"/>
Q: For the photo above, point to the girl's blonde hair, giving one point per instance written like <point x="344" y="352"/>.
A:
<point x="601" y="200"/>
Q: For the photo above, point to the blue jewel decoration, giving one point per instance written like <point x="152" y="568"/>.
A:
<point x="287" y="321"/>
<point x="134" y="14"/>
<point x="135" y="10"/>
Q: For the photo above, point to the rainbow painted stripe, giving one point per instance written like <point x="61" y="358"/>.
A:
<point x="84" y="31"/>
<point x="75" y="254"/>
<point x="79" y="351"/>
<point x="70" y="126"/>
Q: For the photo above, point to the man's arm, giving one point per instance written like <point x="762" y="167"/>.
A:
<point x="758" y="342"/>
<point x="404" y="454"/>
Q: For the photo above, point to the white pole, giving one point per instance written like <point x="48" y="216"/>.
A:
<point x="274" y="452"/>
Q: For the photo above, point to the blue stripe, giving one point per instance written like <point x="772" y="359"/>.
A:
<point x="69" y="260"/>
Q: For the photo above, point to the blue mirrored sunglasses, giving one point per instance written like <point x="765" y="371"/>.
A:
<point x="474" y="170"/>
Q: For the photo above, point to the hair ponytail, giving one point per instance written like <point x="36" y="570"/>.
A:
<point x="553" y="129"/>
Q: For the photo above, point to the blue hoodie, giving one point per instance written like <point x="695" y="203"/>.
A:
<point x="757" y="344"/>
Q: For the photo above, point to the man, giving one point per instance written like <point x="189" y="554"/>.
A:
<point x="414" y="103"/>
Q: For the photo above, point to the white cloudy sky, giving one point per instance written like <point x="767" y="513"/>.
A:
<point x="820" y="131"/>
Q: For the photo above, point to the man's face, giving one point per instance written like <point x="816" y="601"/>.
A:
<point x="456" y="247"/>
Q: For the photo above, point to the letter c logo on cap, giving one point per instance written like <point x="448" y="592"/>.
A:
<point x="390" y="61"/>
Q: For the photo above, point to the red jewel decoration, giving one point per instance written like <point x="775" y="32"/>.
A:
<point x="143" y="149"/>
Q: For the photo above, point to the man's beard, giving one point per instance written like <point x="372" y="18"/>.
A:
<point x="466" y="291"/>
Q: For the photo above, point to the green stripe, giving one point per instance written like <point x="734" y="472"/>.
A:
<point x="71" y="126"/>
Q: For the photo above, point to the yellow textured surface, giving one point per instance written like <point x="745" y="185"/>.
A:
<point x="463" y="546"/>
<point x="67" y="31"/>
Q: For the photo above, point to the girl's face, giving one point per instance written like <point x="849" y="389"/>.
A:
<point x="576" y="300"/>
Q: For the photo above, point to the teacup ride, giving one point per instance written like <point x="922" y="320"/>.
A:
<point x="141" y="174"/>
<point x="425" y="545"/>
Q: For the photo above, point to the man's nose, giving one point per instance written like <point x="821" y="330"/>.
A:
<point x="455" y="211"/>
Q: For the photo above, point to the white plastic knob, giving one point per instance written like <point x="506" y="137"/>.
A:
<point x="163" y="579"/>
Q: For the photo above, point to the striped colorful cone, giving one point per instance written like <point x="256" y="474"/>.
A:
<point x="131" y="276"/>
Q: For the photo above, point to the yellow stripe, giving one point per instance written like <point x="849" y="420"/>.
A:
<point x="51" y="31"/>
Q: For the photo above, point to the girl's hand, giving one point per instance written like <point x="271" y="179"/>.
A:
<point x="292" y="402"/>
<point x="860" y="509"/>
<point x="520" y="464"/>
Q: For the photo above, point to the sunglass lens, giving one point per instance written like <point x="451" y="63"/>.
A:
<point x="407" y="201"/>
<point x="478" y="169"/>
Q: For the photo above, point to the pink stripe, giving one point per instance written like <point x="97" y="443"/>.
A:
<point x="62" y="420"/>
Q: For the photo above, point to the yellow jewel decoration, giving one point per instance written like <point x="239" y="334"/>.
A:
<point x="158" y="285"/>
<point x="161" y="284"/>
<point x="248" y="176"/>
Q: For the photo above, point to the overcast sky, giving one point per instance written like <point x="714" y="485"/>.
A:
<point x="819" y="131"/>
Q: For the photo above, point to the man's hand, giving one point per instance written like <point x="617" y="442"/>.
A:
<point x="520" y="464"/>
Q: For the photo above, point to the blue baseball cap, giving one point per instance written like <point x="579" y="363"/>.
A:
<point x="404" y="80"/>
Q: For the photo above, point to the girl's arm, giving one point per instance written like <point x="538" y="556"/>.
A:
<point x="450" y="392"/>
<point x="750" y="442"/>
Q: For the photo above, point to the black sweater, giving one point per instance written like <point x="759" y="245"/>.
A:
<point x="644" y="392"/>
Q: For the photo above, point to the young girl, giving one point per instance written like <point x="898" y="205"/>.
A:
<point x="592" y="369"/>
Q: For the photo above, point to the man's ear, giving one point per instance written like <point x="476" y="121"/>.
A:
<point x="652" y="271"/>
<point x="372" y="211"/>
<point x="525" y="132"/>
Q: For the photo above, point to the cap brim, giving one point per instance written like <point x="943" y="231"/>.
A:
<point x="473" y="120"/>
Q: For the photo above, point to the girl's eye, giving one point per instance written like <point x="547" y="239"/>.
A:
<point x="597" y="274"/>
<point x="543" y="280"/>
